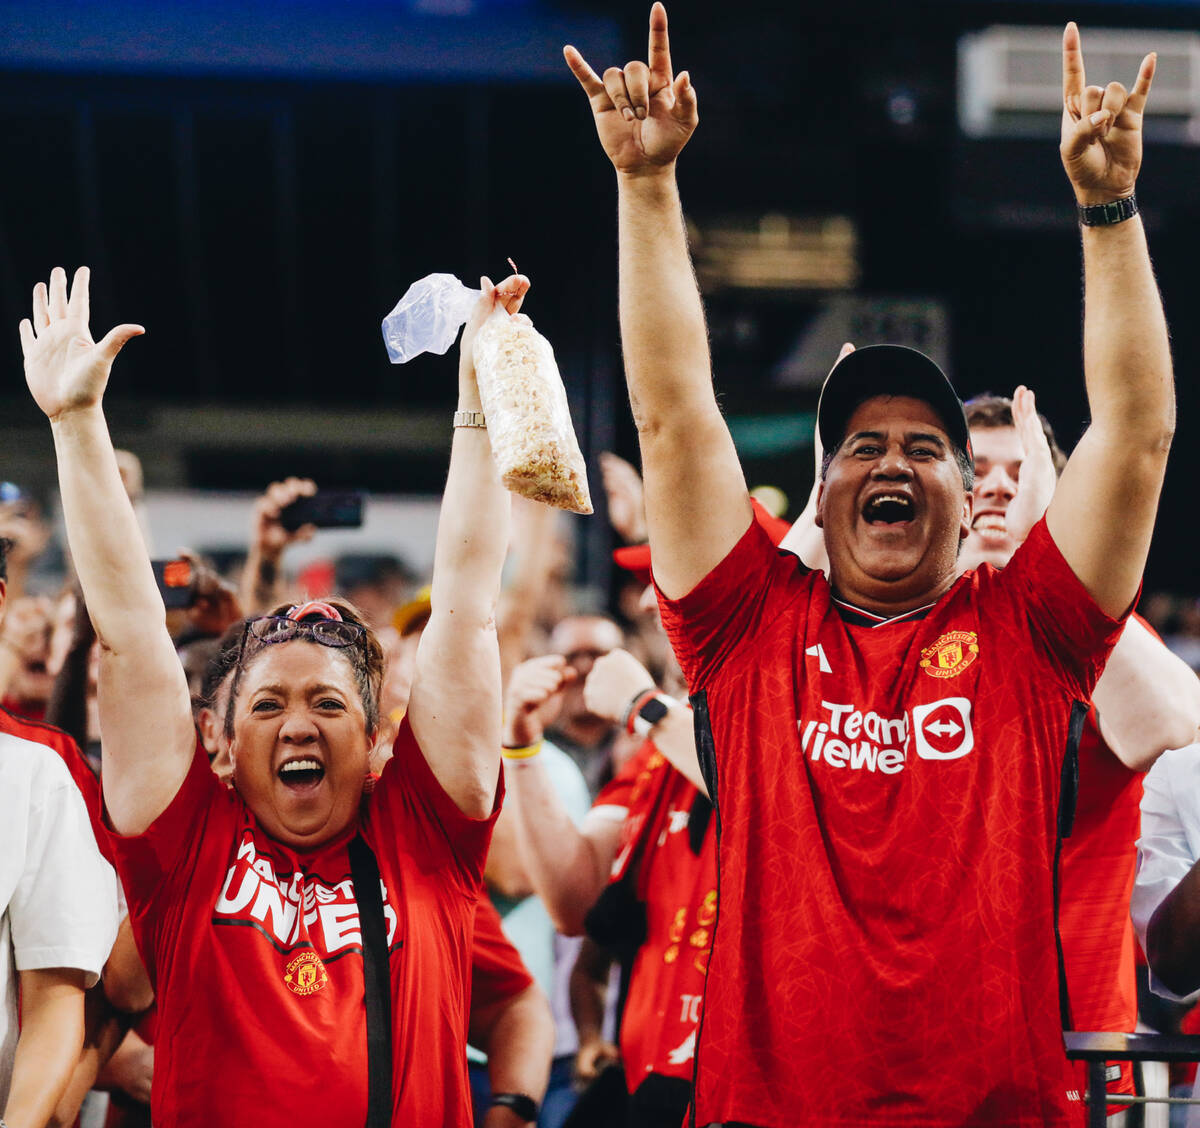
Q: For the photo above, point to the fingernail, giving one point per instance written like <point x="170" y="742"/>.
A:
<point x="641" y="113"/>
<point x="1098" y="117"/>
<point x="627" y="114"/>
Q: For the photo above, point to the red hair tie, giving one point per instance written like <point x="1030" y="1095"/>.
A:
<point x="314" y="607"/>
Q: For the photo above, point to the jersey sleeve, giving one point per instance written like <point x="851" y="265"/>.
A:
<point x="616" y="795"/>
<point x="727" y="608"/>
<point x="411" y="804"/>
<point x="1166" y="850"/>
<point x="155" y="866"/>
<point x="1045" y="598"/>
<point x="63" y="911"/>
<point x="497" y="971"/>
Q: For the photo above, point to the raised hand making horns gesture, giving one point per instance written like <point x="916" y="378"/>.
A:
<point x="1101" y="143"/>
<point x="644" y="112"/>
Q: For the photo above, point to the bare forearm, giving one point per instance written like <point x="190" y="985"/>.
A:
<point x="588" y="991"/>
<point x="260" y="581"/>
<point x="1127" y="358"/>
<point x="67" y="707"/>
<point x="520" y="1045"/>
<point x="663" y="332"/>
<point x="675" y="737"/>
<point x="1173" y="936"/>
<point x="48" y="1048"/>
<point x="105" y="539"/>
<point x="696" y="500"/>
<point x="473" y="525"/>
<point x="562" y="863"/>
<point x="1147" y="699"/>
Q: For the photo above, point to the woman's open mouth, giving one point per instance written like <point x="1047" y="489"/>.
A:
<point x="301" y="775"/>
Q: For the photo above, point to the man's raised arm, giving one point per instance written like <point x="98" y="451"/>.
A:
<point x="696" y="501"/>
<point x="1102" y="515"/>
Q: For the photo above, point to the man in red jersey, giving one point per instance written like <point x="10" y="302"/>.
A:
<point x="1146" y="702"/>
<point x="885" y="748"/>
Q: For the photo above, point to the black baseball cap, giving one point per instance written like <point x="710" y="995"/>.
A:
<point x="887" y="370"/>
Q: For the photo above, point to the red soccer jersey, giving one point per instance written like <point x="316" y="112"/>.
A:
<point x="1099" y="862"/>
<point x="255" y="952"/>
<point x="678" y="887"/>
<point x="884" y="952"/>
<point x="497" y="971"/>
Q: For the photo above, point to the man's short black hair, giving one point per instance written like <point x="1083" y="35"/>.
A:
<point x="5" y="549"/>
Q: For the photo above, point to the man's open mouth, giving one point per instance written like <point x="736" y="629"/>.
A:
<point x="888" y="509"/>
<point x="990" y="523"/>
<point x="302" y="773"/>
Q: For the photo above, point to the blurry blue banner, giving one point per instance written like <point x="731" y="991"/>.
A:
<point x="448" y="40"/>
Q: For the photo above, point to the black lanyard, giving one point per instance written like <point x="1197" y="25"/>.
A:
<point x="376" y="982"/>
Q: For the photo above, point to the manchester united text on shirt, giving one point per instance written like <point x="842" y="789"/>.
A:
<point x="253" y="894"/>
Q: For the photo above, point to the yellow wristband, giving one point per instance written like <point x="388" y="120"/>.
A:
<point x="526" y="753"/>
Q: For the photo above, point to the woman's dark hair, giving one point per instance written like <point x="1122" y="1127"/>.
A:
<point x="365" y="657"/>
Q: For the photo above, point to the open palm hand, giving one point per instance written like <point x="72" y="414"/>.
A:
<point x="65" y="369"/>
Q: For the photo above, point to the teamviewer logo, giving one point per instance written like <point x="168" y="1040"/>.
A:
<point x="942" y="730"/>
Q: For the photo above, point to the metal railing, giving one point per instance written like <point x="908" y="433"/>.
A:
<point x="1098" y="1048"/>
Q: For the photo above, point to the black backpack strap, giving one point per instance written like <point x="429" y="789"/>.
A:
<point x="376" y="980"/>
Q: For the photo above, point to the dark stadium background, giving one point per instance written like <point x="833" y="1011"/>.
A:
<point x="259" y="213"/>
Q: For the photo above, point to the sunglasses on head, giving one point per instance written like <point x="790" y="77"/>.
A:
<point x="319" y="622"/>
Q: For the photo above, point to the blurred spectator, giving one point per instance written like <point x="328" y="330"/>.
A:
<point x="588" y="739"/>
<point x="510" y="1024"/>
<point x="376" y="583"/>
<point x="25" y="679"/>
<point x="262" y="575"/>
<point x="1166" y="895"/>
<point x="22" y="524"/>
<point x="526" y="920"/>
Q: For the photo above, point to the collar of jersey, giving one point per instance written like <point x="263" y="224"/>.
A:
<point x="857" y="617"/>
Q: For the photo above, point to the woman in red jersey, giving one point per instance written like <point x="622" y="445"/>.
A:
<point x="242" y="899"/>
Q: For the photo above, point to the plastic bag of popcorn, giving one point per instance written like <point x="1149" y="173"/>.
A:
<point x="524" y="401"/>
<point x="528" y="420"/>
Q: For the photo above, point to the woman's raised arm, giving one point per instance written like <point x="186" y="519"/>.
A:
<point x="455" y="704"/>
<point x="145" y="712"/>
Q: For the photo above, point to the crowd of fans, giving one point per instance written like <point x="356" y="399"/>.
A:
<point x="834" y="821"/>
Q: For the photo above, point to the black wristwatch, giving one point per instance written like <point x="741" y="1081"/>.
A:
<point x="522" y="1104"/>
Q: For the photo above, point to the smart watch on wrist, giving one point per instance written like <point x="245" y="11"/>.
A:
<point x="521" y="1103"/>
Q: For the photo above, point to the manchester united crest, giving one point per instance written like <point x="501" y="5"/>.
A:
<point x="306" y="974"/>
<point x="951" y="654"/>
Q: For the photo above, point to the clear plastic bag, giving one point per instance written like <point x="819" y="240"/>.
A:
<point x="428" y="317"/>
<point x="524" y="401"/>
<point x="528" y="419"/>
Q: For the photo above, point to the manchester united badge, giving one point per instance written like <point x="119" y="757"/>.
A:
<point x="306" y="974"/>
<point x="951" y="654"/>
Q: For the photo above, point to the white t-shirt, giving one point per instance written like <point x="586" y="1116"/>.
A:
<point x="1167" y="850"/>
<point x="58" y="895"/>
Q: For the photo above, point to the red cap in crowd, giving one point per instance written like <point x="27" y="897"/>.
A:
<point x="635" y="558"/>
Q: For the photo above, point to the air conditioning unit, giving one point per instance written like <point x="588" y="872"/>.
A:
<point x="1010" y="79"/>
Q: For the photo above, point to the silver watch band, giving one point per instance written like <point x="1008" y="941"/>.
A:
<point x="469" y="419"/>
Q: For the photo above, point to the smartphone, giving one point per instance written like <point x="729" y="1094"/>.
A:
<point x="327" y="509"/>
<point x="176" y="581"/>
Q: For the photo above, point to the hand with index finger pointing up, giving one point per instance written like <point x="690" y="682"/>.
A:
<point x="644" y="113"/>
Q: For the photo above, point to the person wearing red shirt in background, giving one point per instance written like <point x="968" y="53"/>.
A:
<point x="640" y="877"/>
<point x="274" y="1006"/>
<point x="885" y="749"/>
<point x="1146" y="702"/>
